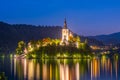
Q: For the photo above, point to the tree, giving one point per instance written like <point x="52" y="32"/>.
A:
<point x="78" y="42"/>
<point x="56" y="41"/>
<point x="72" y="41"/>
<point x="86" y="47"/>
<point x="21" y="47"/>
<point x="78" y="39"/>
<point x="46" y="41"/>
<point x="86" y="41"/>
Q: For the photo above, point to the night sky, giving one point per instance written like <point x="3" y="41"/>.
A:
<point x="85" y="17"/>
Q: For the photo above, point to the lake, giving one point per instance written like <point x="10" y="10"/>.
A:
<point x="60" y="69"/>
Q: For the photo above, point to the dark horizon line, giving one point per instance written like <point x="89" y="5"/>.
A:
<point x="54" y="26"/>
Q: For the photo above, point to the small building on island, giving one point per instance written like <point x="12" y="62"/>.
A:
<point x="66" y="33"/>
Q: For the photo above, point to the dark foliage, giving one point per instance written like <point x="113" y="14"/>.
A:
<point x="111" y="39"/>
<point x="10" y="35"/>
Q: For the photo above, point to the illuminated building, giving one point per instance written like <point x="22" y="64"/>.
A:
<point x="66" y="33"/>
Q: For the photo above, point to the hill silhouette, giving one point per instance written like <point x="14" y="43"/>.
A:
<point x="11" y="34"/>
<point x="113" y="39"/>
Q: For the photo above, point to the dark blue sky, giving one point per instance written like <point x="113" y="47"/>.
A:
<point x="85" y="17"/>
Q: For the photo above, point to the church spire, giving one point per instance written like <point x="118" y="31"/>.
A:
<point x="65" y="24"/>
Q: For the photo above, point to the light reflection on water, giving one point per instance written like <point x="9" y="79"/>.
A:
<point x="60" y="69"/>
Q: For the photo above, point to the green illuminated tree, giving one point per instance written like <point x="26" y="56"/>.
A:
<point x="78" y="42"/>
<point x="20" y="48"/>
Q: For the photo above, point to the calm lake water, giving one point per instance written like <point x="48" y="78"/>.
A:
<point x="61" y="69"/>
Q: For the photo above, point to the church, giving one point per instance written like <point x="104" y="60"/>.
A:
<point x="66" y="33"/>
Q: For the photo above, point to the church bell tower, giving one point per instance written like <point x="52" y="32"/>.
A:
<point x="65" y="33"/>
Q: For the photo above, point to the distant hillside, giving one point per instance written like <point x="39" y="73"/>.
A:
<point x="92" y="41"/>
<point x="10" y="35"/>
<point x="108" y="39"/>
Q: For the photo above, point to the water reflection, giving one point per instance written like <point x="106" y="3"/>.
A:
<point x="61" y="69"/>
<point x="38" y="71"/>
<point x="116" y="69"/>
<point x="95" y="68"/>
<point x="77" y="72"/>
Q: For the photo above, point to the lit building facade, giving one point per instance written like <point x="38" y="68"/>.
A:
<point x="66" y="33"/>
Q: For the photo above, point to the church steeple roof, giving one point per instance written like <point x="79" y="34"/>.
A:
<point x="65" y="24"/>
